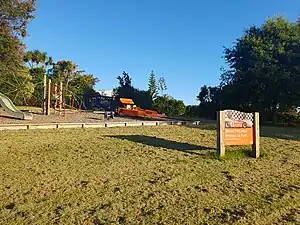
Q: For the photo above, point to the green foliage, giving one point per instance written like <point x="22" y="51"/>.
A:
<point x="263" y="72"/>
<point x="65" y="71"/>
<point x="192" y="111"/>
<point x="152" y="86"/>
<point x="265" y="58"/>
<point x="14" y="79"/>
<point x="18" y="88"/>
<point x="124" y="80"/>
<point x="38" y="63"/>
<point x="17" y="14"/>
<point x="82" y="84"/>
<point x="169" y="106"/>
<point x="210" y="101"/>
<point x="75" y="81"/>
<point x="162" y="85"/>
<point x="125" y="89"/>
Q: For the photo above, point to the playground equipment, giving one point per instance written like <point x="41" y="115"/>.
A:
<point x="12" y="110"/>
<point x="130" y="109"/>
<point x="55" y="97"/>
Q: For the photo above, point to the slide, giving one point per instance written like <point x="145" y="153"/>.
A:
<point x="12" y="110"/>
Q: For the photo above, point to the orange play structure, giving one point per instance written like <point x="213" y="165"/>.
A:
<point x="130" y="109"/>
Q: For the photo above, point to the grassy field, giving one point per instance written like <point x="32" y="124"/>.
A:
<point x="147" y="175"/>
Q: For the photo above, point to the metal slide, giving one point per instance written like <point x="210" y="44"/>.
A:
<point x="12" y="110"/>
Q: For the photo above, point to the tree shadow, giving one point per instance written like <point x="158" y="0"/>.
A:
<point x="163" y="143"/>
<point x="278" y="132"/>
<point x="203" y="126"/>
<point x="285" y="133"/>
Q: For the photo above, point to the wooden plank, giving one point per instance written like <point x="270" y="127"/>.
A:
<point x="221" y="133"/>
<point x="71" y="125"/>
<point x="134" y="124"/>
<point x="150" y="123"/>
<point x="256" y="136"/>
<point x="90" y="125"/>
<point x="41" y="126"/>
<point x="115" y="124"/>
<point x="13" y="127"/>
<point x="94" y="125"/>
<point x="49" y="98"/>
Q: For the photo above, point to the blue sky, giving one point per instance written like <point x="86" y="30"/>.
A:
<point x="181" y="40"/>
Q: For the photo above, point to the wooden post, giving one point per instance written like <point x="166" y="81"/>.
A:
<point x="72" y="102"/>
<point x="45" y="96"/>
<point x="60" y="97"/>
<point x="49" y="98"/>
<point x="256" y="136"/>
<point x="55" y="95"/>
<point x="221" y="133"/>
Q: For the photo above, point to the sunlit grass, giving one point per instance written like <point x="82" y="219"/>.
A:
<point x="147" y="175"/>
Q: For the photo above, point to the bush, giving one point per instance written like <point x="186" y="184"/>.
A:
<point x="289" y="118"/>
<point x="169" y="106"/>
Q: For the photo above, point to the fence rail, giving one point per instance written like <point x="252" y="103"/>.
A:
<point x="93" y="125"/>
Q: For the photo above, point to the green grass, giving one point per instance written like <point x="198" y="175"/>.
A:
<point x="147" y="175"/>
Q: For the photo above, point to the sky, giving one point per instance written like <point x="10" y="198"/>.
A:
<point x="180" y="40"/>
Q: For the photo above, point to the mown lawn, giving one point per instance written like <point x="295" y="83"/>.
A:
<point x="147" y="175"/>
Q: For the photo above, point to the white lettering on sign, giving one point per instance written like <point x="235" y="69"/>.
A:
<point x="239" y="131"/>
<point x="235" y="134"/>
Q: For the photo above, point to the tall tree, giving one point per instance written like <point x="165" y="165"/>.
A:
<point x="82" y="84"/>
<point x="126" y="90"/>
<point x="264" y="69"/>
<point x="162" y="85"/>
<point x="14" y="17"/>
<point x="124" y="80"/>
<point x="39" y="63"/>
<point x="152" y="86"/>
<point x="169" y="106"/>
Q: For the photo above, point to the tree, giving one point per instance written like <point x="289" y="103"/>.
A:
<point x="192" y="111"/>
<point x="169" y="106"/>
<point x="162" y="85"/>
<point x="124" y="80"/>
<point x="15" y="15"/>
<point x="152" y="86"/>
<point x="65" y="71"/>
<point x="83" y="84"/>
<point x="38" y="63"/>
<point x="126" y="90"/>
<point x="264" y="68"/>
<point x="210" y="101"/>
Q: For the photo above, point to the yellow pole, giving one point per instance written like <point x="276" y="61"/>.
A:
<point x="55" y="94"/>
<point x="45" y="96"/>
<point x="49" y="98"/>
<point x="60" y="97"/>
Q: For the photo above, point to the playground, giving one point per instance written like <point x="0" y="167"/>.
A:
<point x="55" y="109"/>
<point x="129" y="113"/>
<point x="147" y="175"/>
<point x="71" y="117"/>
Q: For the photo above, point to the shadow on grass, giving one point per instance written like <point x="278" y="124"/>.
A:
<point x="285" y="133"/>
<point x="163" y="143"/>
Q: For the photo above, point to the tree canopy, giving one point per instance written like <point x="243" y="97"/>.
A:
<point x="169" y="106"/>
<point x="125" y="89"/>
<point x="14" y="77"/>
<point x="263" y="71"/>
<point x="152" y="86"/>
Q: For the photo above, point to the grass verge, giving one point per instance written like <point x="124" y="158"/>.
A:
<point x="147" y="175"/>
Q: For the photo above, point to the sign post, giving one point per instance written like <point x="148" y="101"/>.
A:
<point x="238" y="128"/>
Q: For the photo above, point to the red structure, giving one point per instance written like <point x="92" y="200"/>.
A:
<point x="130" y="109"/>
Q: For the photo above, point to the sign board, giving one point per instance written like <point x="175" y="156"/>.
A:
<point x="238" y="128"/>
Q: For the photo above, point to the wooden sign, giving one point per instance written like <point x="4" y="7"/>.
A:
<point x="238" y="128"/>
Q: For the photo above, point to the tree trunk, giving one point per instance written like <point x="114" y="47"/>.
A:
<point x="274" y="112"/>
